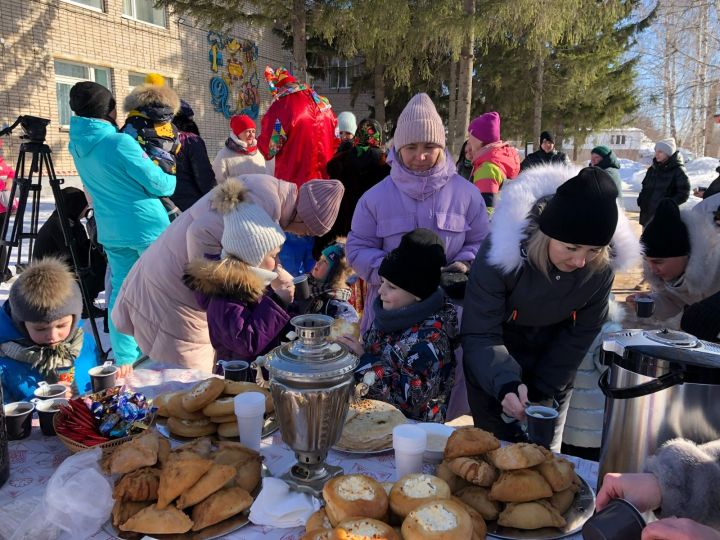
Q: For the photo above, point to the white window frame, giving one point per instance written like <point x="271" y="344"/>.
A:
<point x="80" y="3"/>
<point x="66" y="79"/>
<point x="343" y="66"/>
<point x="133" y="15"/>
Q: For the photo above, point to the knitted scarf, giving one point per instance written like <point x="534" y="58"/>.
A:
<point x="47" y="360"/>
<point x="239" y="147"/>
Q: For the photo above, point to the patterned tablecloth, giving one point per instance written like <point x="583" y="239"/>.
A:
<point x="33" y="461"/>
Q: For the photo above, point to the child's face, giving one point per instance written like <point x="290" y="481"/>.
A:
<point x="270" y="261"/>
<point x="393" y="297"/>
<point x="320" y="270"/>
<point x="420" y="157"/>
<point x="50" y="333"/>
<point x="475" y="145"/>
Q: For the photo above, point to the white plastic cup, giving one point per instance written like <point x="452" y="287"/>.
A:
<point x="250" y="411"/>
<point x="409" y="443"/>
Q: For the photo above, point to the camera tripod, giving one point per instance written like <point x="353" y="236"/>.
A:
<point x="29" y="187"/>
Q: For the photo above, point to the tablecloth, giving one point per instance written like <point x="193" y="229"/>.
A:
<point x="33" y="461"/>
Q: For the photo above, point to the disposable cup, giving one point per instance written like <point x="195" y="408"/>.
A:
<point x="302" y="287"/>
<point x="644" y="306"/>
<point x="619" y="520"/>
<point x="409" y="443"/>
<point x="47" y="409"/>
<point x="18" y="419"/>
<point x="103" y="377"/>
<point x="50" y="391"/>
<point x="541" y="424"/>
<point x="250" y="410"/>
<point x="234" y="370"/>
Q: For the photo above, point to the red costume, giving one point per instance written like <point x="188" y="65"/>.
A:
<point x="299" y="130"/>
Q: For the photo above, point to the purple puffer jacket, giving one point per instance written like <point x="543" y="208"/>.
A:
<point x="440" y="200"/>
<point x="243" y="318"/>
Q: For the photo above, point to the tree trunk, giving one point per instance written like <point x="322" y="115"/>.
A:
<point x="713" y="94"/>
<point x="452" y="108"/>
<point x="703" y="109"/>
<point x="538" y="96"/>
<point x="298" y="20"/>
<point x="379" y="82"/>
<point x="465" y="75"/>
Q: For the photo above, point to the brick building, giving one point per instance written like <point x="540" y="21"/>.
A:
<point x="48" y="45"/>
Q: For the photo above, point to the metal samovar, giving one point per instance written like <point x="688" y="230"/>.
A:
<point x="311" y="380"/>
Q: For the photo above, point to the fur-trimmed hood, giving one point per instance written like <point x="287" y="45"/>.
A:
<point x="228" y="277"/>
<point x="512" y="221"/>
<point x="702" y="274"/>
<point x="151" y="95"/>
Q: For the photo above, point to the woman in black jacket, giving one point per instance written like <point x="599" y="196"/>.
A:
<point x="195" y="176"/>
<point x="666" y="178"/>
<point x="538" y="292"/>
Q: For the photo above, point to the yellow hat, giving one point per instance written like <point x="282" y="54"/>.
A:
<point x="155" y="79"/>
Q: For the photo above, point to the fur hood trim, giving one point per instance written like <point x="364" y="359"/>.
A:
<point x="150" y="94"/>
<point x="46" y="284"/>
<point x="228" y="195"/>
<point x="227" y="277"/>
<point x="511" y="223"/>
<point x="702" y="275"/>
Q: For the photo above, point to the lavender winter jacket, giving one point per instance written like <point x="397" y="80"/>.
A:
<point x="440" y="200"/>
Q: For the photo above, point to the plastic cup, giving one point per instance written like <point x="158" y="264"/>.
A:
<point x="541" y="424"/>
<point x="619" y="520"/>
<point x="302" y="287"/>
<point x="18" y="419"/>
<point x="47" y="409"/>
<point x="103" y="377"/>
<point x="644" y="306"/>
<point x="250" y="411"/>
<point x="234" y="370"/>
<point x="50" y="391"/>
<point x="409" y="443"/>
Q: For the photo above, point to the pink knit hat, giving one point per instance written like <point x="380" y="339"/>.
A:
<point x="419" y="122"/>
<point x="486" y="127"/>
<point x="319" y="203"/>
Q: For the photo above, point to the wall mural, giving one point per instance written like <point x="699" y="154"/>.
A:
<point x="234" y="90"/>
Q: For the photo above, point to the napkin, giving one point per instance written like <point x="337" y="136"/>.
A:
<point x="277" y="506"/>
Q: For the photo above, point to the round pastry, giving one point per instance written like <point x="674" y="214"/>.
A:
<point x="161" y="400"/>
<point x="222" y="406"/>
<point x="318" y="520"/>
<point x="437" y="520"/>
<point x="203" y="393"/>
<point x="354" y="495"/>
<point x="364" y="529"/>
<point x="413" y="490"/>
<point x="176" y="409"/>
<point x="229" y="429"/>
<point x="190" y="428"/>
<point x="234" y="388"/>
<point x="223" y="419"/>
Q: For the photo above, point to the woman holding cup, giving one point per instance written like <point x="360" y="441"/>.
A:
<point x="538" y="293"/>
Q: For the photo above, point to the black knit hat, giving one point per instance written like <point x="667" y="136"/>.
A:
<point x="583" y="210"/>
<point x="415" y="264"/>
<point x="665" y="234"/>
<point x="547" y="136"/>
<point x="91" y="100"/>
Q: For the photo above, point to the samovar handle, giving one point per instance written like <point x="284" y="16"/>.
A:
<point x="362" y="388"/>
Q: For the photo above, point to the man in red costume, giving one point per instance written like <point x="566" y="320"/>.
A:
<point x="300" y="131"/>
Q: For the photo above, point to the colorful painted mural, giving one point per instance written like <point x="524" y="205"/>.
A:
<point x="234" y="88"/>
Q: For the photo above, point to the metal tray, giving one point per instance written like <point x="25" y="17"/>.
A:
<point x="581" y="510"/>
<point x="270" y="426"/>
<point x="363" y="452"/>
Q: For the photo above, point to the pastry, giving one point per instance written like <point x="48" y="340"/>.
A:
<point x="438" y="520"/>
<point x="228" y="418"/>
<point x="478" y="522"/>
<point x="219" y="506"/>
<point x="247" y="463"/>
<point x="124" y="510"/>
<point x="191" y="428"/>
<point x="563" y="500"/>
<point x="364" y="529"/>
<point x="161" y="401"/>
<point x="479" y="498"/>
<point x="475" y="470"/>
<point x="209" y="483"/>
<point x="354" y="495"/>
<point x="470" y="441"/>
<point x="520" y="486"/>
<point x="200" y="447"/>
<point x="176" y="409"/>
<point x="152" y="520"/>
<point x="164" y="449"/>
<point x="518" y="456"/>
<point x="453" y="480"/>
<point x="229" y="429"/>
<point x="203" y="393"/>
<point x="531" y="515"/>
<point x="238" y="387"/>
<point x="413" y="490"/>
<point x="139" y="485"/>
<point x="136" y="453"/>
<point x="558" y="472"/>
<point x="318" y="520"/>
<point x="369" y="425"/>
<point x="179" y="475"/>
<point x="341" y="327"/>
<point x="222" y="406"/>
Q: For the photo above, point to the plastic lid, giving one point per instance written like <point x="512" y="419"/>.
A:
<point x="249" y="404"/>
<point x="409" y="438"/>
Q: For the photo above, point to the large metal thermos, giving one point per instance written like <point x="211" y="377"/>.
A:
<point x="661" y="384"/>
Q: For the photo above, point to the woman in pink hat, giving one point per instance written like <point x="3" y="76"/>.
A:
<point x="240" y="153"/>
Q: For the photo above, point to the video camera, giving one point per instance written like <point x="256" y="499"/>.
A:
<point x="34" y="128"/>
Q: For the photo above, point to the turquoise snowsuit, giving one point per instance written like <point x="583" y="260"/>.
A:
<point x="124" y="185"/>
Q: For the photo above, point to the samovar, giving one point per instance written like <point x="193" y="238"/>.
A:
<point x="311" y="380"/>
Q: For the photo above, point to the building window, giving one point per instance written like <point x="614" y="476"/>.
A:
<point x="617" y="139"/>
<point x="94" y="4"/>
<point x="144" y="10"/>
<point x="340" y="74"/>
<point x="136" y="79"/>
<point x="66" y="75"/>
